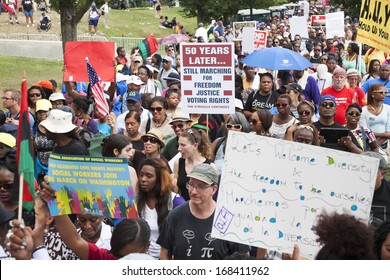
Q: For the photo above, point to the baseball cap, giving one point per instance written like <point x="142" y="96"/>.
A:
<point x="43" y="105"/>
<point x="167" y="57"/>
<point x="56" y="96"/>
<point x="7" y="139"/>
<point x="327" y="97"/>
<point x="133" y="96"/>
<point x="138" y="59"/>
<point x="45" y="84"/>
<point x="134" y="80"/>
<point x="295" y="87"/>
<point x="238" y="104"/>
<point x="322" y="69"/>
<point x="205" y="173"/>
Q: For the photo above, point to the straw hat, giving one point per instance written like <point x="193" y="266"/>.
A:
<point x="154" y="132"/>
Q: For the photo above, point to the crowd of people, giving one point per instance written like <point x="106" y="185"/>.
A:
<point x="176" y="159"/>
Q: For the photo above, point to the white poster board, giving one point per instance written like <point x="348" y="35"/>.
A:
<point x="239" y="25"/>
<point x="298" y="25"/>
<point x="334" y="25"/>
<point x="248" y="36"/>
<point x="272" y="190"/>
<point x="207" y="78"/>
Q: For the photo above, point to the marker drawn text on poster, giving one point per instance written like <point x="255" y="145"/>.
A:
<point x="260" y="40"/>
<point x="374" y="24"/>
<point x="207" y="78"/>
<point x="273" y="200"/>
<point x="88" y="185"/>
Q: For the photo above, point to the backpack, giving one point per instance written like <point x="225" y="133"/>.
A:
<point x="96" y="144"/>
<point x="86" y="136"/>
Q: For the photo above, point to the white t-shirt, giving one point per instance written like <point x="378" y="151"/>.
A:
<point x="120" y="121"/>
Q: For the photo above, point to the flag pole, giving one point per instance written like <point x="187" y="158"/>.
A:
<point x="207" y="123"/>
<point x="20" y="206"/>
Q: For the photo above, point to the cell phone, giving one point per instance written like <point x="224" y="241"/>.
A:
<point x="332" y="135"/>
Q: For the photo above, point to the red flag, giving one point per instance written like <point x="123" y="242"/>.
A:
<point x="24" y="156"/>
<point x="97" y="89"/>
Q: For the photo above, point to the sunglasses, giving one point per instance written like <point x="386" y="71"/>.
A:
<point x="235" y="126"/>
<point x="380" y="91"/>
<point x="165" y="61"/>
<point x="179" y="125"/>
<point x="306" y="113"/>
<point x="174" y="90"/>
<point x="158" y="109"/>
<point x="354" y="114"/>
<point x="6" y="186"/>
<point x="327" y="104"/>
<point x="34" y="94"/>
<point x="253" y="121"/>
<point x="150" y="139"/>
<point x="279" y="105"/>
<point x="137" y="61"/>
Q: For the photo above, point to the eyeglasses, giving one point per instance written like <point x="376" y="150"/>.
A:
<point x="150" y="139"/>
<point x="327" y="104"/>
<point x="253" y="121"/>
<point x="165" y="61"/>
<point x="170" y="50"/>
<point x="306" y="113"/>
<point x="34" y="94"/>
<point x="158" y="109"/>
<point x="6" y="186"/>
<point x="235" y="126"/>
<point x="375" y="91"/>
<point x="353" y="114"/>
<point x="179" y="125"/>
<point x="7" y="98"/>
<point x="198" y="188"/>
<point x="279" y="105"/>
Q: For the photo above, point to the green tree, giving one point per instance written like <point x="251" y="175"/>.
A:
<point x="227" y="9"/>
<point x="71" y="12"/>
<point x="350" y="7"/>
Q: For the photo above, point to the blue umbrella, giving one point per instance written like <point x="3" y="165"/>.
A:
<point x="277" y="59"/>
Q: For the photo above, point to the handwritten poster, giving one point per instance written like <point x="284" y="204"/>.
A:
<point x="239" y="25"/>
<point x="207" y="78"/>
<point x="374" y="24"/>
<point x="334" y="25"/>
<point x="88" y="185"/>
<point x="272" y="191"/>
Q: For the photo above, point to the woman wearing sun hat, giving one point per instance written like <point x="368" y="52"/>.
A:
<point x="62" y="131"/>
<point x="7" y="143"/>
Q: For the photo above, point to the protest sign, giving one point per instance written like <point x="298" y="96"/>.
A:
<point x="334" y="25"/>
<point x="374" y="24"/>
<point x="89" y="185"/>
<point x="248" y="35"/>
<point x="318" y="20"/>
<point x="260" y="41"/>
<point x="299" y="26"/>
<point x="100" y="55"/>
<point x="207" y="78"/>
<point x="239" y="25"/>
<point x="272" y="200"/>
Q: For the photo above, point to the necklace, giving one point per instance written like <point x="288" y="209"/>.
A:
<point x="159" y="125"/>
<point x="377" y="112"/>
<point x="349" y="58"/>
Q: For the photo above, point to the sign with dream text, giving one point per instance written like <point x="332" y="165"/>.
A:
<point x="260" y="41"/>
<point x="334" y="25"/>
<point x="374" y="24"/>
<point x="272" y="201"/>
<point x="207" y="78"/>
<point x="89" y="185"/>
<point x="100" y="54"/>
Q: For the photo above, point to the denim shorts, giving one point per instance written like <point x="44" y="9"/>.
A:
<point x="28" y="13"/>
<point x="93" y="22"/>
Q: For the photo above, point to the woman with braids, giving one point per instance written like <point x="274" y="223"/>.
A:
<point x="155" y="199"/>
<point x="62" y="131"/>
<point x="195" y="148"/>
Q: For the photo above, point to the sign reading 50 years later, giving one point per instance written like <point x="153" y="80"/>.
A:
<point x="207" y="78"/>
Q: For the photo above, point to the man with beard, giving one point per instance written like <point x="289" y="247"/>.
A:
<point x="341" y="93"/>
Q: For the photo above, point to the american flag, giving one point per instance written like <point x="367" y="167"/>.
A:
<point x="97" y="91"/>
